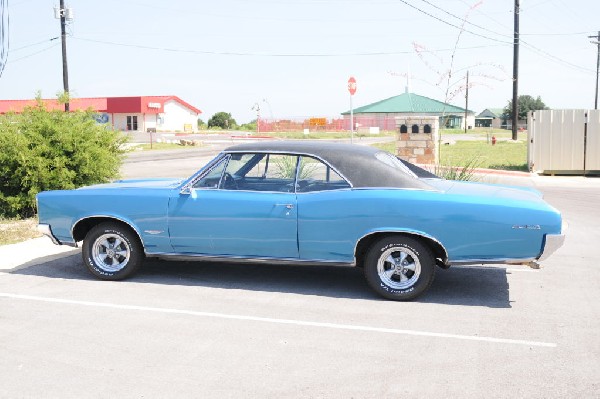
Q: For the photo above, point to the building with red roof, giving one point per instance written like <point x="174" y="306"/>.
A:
<point x="142" y="113"/>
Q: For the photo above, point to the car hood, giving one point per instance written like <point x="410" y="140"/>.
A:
<point x="486" y="190"/>
<point x="138" y="183"/>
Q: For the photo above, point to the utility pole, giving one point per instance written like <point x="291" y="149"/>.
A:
<point x="467" y="102"/>
<point x="64" y="14"/>
<point x="515" y="100"/>
<point x="597" y="42"/>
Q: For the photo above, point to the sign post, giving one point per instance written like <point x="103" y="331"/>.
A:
<point x="352" y="90"/>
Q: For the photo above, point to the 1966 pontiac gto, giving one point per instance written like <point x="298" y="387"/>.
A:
<point x="305" y="202"/>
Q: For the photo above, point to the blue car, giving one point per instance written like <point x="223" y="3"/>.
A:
<point x="305" y="202"/>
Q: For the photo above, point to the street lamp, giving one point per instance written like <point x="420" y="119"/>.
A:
<point x="256" y="107"/>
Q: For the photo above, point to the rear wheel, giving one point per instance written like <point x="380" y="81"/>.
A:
<point x="399" y="268"/>
<point x="112" y="251"/>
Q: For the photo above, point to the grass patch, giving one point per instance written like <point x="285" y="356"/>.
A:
<point x="505" y="155"/>
<point x="13" y="231"/>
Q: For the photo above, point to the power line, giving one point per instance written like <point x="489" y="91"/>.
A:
<point x="556" y="34"/>
<point x="451" y="24"/>
<point x="249" y="54"/>
<point x="464" y="20"/>
<point x="555" y="58"/>
<point x="32" y="54"/>
<point x="529" y="45"/>
<point x="34" y="44"/>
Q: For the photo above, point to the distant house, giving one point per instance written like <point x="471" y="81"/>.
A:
<point x="491" y="117"/>
<point x="142" y="113"/>
<point x="382" y="113"/>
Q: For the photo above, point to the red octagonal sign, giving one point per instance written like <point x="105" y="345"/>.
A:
<point x="352" y="85"/>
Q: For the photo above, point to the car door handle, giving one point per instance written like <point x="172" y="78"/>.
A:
<point x="288" y="206"/>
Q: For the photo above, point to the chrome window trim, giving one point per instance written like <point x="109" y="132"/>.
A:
<point x="187" y="187"/>
<point x="297" y="153"/>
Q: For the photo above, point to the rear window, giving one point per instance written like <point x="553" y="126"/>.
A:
<point x="390" y="160"/>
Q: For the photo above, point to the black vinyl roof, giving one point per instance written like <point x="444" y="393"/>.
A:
<point x="361" y="165"/>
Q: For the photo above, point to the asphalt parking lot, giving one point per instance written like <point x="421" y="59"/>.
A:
<point x="203" y="329"/>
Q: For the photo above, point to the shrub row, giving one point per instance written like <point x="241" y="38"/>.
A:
<point x="52" y="150"/>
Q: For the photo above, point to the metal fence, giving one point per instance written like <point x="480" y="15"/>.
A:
<point x="564" y="141"/>
<point x="326" y="124"/>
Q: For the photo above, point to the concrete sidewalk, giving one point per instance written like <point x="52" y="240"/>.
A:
<point x="32" y="252"/>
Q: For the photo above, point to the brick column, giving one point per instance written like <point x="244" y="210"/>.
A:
<point x="418" y="147"/>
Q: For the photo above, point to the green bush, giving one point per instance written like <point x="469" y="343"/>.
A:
<point x="52" y="150"/>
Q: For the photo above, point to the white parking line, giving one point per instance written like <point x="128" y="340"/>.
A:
<point x="282" y="321"/>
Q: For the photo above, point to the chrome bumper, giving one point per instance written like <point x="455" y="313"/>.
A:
<point x="47" y="231"/>
<point x="552" y="243"/>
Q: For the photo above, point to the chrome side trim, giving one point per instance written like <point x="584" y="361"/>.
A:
<point x="46" y="230"/>
<point x="552" y="243"/>
<point x="242" y="259"/>
<point x="509" y="261"/>
<point x="445" y="260"/>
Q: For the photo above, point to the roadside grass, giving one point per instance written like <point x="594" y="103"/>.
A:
<point x="484" y="132"/>
<point x="164" y="146"/>
<point x="13" y="230"/>
<point x="505" y="155"/>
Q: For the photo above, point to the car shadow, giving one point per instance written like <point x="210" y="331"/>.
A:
<point x="457" y="286"/>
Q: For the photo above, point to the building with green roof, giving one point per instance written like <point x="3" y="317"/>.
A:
<point x="382" y="113"/>
<point x="491" y="117"/>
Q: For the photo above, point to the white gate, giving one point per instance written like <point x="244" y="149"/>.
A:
<point x="564" y="141"/>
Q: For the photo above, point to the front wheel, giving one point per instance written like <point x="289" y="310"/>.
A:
<point x="112" y="251"/>
<point x="399" y="268"/>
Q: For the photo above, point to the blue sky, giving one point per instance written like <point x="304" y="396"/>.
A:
<point x="294" y="58"/>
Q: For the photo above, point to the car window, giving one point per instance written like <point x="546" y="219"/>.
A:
<point x="394" y="162"/>
<point x="260" y="172"/>
<point x="212" y="178"/>
<point x="314" y="175"/>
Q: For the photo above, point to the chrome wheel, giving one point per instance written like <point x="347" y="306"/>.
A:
<point x="111" y="252"/>
<point x="398" y="267"/>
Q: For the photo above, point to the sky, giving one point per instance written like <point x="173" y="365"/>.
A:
<point x="293" y="58"/>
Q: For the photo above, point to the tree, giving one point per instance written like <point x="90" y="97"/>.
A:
<point x="525" y="104"/>
<point x="53" y="150"/>
<point x="222" y="120"/>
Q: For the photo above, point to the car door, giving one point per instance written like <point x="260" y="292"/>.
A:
<point x="327" y="213"/>
<point x="245" y="206"/>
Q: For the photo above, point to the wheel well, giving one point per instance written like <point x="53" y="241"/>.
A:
<point x="83" y="226"/>
<point x="365" y="243"/>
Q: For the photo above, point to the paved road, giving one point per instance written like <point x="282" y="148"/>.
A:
<point x="183" y="329"/>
